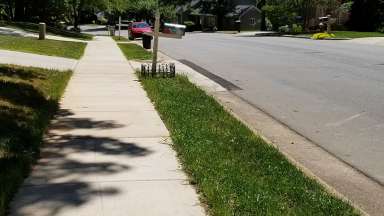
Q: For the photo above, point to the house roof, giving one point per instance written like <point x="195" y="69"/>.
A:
<point x="193" y="5"/>
<point x="240" y="10"/>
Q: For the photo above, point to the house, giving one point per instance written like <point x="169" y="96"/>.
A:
<point x="193" y="12"/>
<point x="247" y="17"/>
<point x="201" y="13"/>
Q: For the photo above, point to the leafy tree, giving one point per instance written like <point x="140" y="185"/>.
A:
<point x="367" y="15"/>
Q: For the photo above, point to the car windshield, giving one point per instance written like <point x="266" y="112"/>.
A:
<point x="140" y="25"/>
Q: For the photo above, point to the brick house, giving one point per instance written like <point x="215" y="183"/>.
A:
<point x="243" y="10"/>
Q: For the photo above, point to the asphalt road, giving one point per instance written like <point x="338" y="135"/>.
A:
<point x="332" y="92"/>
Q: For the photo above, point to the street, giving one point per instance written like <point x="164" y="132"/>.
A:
<point x="331" y="92"/>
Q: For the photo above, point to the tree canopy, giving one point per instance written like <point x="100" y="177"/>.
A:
<point x="76" y="11"/>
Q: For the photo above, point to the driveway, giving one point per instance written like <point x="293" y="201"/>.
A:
<point x="331" y="92"/>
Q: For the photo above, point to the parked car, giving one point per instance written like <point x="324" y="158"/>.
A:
<point x="136" y="29"/>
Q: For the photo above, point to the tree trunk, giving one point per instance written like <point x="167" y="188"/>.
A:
<point x="263" y="25"/>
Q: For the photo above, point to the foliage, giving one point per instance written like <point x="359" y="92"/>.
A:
<point x="284" y="29"/>
<point x="367" y="15"/>
<point x="28" y="99"/>
<point x="321" y="36"/>
<point x="288" y="12"/>
<point x="279" y="15"/>
<point x="296" y="29"/>
<point x="144" y="9"/>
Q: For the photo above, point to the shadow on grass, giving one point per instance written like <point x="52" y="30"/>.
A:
<point x="19" y="73"/>
<point x="21" y="93"/>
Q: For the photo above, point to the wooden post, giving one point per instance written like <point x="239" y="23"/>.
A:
<point x="329" y="23"/>
<point x="42" y="31"/>
<point x="119" y="26"/>
<point x="156" y="41"/>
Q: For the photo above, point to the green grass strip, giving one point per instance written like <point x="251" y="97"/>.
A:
<point x="135" y="52"/>
<point x="120" y="39"/>
<point x="67" y="49"/>
<point x="354" y="34"/>
<point x="28" y="99"/>
<point x="237" y="172"/>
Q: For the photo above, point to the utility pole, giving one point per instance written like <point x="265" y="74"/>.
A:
<point x="156" y="39"/>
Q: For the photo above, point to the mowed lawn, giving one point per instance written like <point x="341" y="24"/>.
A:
<point x="134" y="52"/>
<point x="355" y="34"/>
<point x="237" y="172"/>
<point x="67" y="49"/>
<point x="28" y="99"/>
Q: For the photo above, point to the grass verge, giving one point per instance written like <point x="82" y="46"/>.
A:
<point x="33" y="27"/>
<point x="135" y="52"/>
<point x="237" y="172"/>
<point x="28" y="99"/>
<point x="354" y="34"/>
<point x="65" y="49"/>
<point x="120" y="39"/>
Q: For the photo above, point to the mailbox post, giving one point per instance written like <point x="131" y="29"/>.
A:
<point x="329" y="23"/>
<point x="42" y="31"/>
<point x="156" y="41"/>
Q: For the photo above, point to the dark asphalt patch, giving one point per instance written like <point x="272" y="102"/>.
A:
<point x="224" y="83"/>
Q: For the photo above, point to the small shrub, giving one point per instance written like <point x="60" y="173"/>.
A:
<point x="284" y="29"/>
<point x="321" y="36"/>
<point x="381" y="29"/>
<point x="296" y="29"/>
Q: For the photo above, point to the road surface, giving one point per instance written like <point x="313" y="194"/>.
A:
<point x="332" y="92"/>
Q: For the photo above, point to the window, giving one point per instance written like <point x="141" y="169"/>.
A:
<point x="252" y="21"/>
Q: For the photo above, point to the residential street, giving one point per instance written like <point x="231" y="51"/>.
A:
<point x="332" y="92"/>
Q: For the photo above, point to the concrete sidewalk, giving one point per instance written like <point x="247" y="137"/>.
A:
<point x="35" y="60"/>
<point x="107" y="152"/>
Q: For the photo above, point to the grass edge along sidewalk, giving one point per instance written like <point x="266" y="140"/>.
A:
<point x="66" y="49"/>
<point x="134" y="52"/>
<point x="237" y="172"/>
<point x="28" y="100"/>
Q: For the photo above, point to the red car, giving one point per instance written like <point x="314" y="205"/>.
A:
<point x="136" y="29"/>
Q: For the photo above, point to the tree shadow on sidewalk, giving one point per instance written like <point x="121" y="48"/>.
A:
<point x="66" y="176"/>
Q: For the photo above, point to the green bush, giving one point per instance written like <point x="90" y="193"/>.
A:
<point x="284" y="29"/>
<point x="296" y="29"/>
<point x="381" y="29"/>
<point x="279" y="16"/>
<point x="321" y="36"/>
